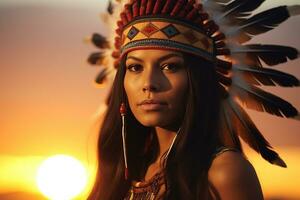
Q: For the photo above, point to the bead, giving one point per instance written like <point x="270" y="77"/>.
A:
<point x="122" y="109"/>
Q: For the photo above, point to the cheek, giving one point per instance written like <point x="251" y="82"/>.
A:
<point x="177" y="99"/>
<point x="178" y="94"/>
<point x="131" y="90"/>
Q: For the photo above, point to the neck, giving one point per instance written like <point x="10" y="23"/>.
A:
<point x="165" y="138"/>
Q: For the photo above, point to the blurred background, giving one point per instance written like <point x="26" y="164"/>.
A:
<point x="49" y="102"/>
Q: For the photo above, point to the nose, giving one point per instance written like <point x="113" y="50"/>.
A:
<point x="150" y="88"/>
<point x="151" y="80"/>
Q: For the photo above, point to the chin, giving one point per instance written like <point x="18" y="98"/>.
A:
<point x="152" y="120"/>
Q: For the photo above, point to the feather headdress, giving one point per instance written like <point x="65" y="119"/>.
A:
<point x="215" y="30"/>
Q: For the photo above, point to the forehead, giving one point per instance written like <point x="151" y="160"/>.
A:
<point x="153" y="54"/>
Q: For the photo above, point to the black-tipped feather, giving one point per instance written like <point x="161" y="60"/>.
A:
<point x="223" y="1"/>
<point x="223" y="92"/>
<point x="260" y="23"/>
<point x="224" y="79"/>
<point x="100" y="41"/>
<point x="241" y="8"/>
<point x="229" y="134"/>
<point x="251" y="135"/>
<point x="110" y="8"/>
<point x="96" y="58"/>
<point x="101" y="77"/>
<point x="270" y="54"/>
<point x="266" y="76"/>
<point x="260" y="100"/>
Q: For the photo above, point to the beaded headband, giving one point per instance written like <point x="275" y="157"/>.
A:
<point x="216" y="31"/>
<point x="162" y="33"/>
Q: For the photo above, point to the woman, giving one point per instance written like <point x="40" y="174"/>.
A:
<point x="177" y="136"/>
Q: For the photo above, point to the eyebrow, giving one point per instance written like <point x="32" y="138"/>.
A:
<point x="159" y="60"/>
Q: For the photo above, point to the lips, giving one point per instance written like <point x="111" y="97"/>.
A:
<point x="152" y="105"/>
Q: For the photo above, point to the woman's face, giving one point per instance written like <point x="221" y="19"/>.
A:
<point x="156" y="85"/>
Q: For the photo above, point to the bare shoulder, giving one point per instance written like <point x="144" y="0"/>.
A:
<point x="233" y="177"/>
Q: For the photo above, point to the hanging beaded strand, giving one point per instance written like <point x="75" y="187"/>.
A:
<point x="123" y="113"/>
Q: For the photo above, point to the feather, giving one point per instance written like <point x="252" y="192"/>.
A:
<point x="158" y="7"/>
<point x="96" y="58"/>
<point x="229" y="135"/>
<point x="267" y="76"/>
<point x="270" y="54"/>
<point x="223" y="67"/>
<point x="179" y="4"/>
<point x="212" y="8"/>
<point x="223" y="79"/>
<point x="100" y="41"/>
<point x="186" y="9"/>
<point x="259" y="23"/>
<point x="102" y="76"/>
<point x="222" y="91"/>
<point x="143" y="7"/>
<point x="260" y="100"/>
<point x="251" y="135"/>
<point x="110" y="8"/>
<point x="294" y="10"/>
<point x="150" y="6"/>
<point x="128" y="12"/>
<point x="238" y="9"/>
<point x="136" y="8"/>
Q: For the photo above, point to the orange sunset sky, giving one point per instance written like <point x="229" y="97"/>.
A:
<point x="49" y="102"/>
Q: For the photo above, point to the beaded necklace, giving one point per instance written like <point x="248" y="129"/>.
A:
<point x="147" y="190"/>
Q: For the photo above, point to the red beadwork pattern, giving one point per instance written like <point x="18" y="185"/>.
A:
<point x="149" y="29"/>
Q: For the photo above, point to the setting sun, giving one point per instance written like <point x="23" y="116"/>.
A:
<point x="61" y="177"/>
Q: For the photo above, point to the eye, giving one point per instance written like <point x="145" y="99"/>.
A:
<point x="134" y="68"/>
<point x="172" y="67"/>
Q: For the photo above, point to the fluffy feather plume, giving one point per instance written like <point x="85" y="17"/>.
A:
<point x="247" y="130"/>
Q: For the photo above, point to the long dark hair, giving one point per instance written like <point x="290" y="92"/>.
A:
<point x="188" y="162"/>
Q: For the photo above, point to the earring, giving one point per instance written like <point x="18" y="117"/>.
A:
<point x="123" y="113"/>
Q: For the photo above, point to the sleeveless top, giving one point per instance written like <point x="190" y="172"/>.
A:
<point x="154" y="188"/>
